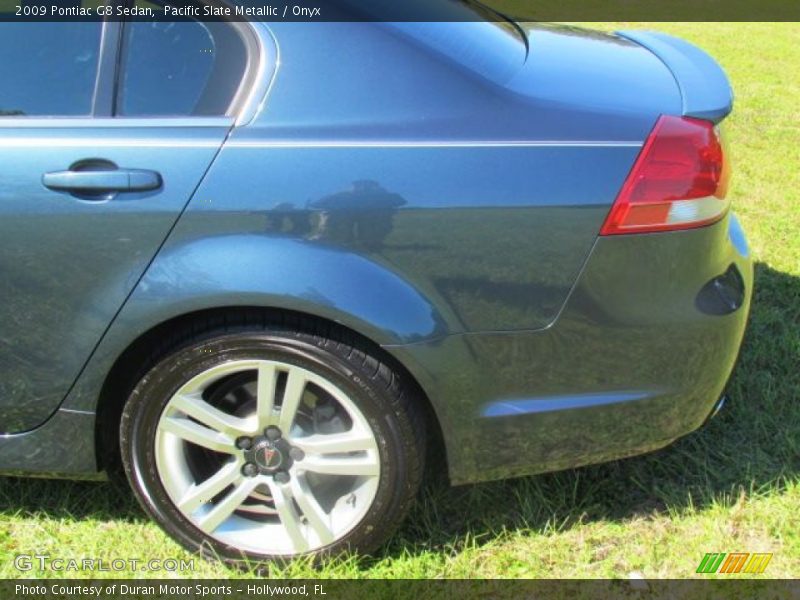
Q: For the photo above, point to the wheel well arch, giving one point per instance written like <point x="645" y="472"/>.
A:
<point x="152" y="345"/>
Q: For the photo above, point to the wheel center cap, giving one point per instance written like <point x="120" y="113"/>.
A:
<point x="267" y="456"/>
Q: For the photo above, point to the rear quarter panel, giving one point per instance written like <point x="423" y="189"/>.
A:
<point x="483" y="194"/>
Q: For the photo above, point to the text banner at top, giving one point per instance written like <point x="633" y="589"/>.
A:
<point x="401" y="10"/>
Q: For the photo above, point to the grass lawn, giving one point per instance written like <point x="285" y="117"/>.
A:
<point x="733" y="486"/>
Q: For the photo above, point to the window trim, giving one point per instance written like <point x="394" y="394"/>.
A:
<point x="112" y="122"/>
<point x="107" y="67"/>
<point x="266" y="57"/>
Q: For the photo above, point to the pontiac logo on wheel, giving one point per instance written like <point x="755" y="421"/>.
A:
<point x="268" y="456"/>
<point x="272" y="458"/>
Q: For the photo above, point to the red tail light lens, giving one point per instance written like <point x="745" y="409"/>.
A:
<point x="678" y="181"/>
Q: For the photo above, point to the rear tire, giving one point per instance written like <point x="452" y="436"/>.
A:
<point x="273" y="443"/>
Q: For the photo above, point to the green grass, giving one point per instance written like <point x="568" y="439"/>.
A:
<point x="733" y="486"/>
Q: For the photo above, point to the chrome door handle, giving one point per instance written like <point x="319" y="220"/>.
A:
<point x="89" y="181"/>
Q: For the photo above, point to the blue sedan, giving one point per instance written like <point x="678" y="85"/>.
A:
<point x="272" y="271"/>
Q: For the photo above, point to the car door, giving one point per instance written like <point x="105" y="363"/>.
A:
<point x="106" y="130"/>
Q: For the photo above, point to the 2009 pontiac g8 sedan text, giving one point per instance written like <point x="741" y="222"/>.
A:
<point x="269" y="267"/>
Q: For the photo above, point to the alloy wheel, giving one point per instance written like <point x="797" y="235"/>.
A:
<point x="267" y="457"/>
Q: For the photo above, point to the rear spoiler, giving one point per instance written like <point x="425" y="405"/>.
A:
<point x="703" y="84"/>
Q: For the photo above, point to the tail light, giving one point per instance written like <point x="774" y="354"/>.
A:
<point x="679" y="180"/>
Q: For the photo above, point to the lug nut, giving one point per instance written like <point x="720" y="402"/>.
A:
<point x="281" y="477"/>
<point x="297" y="454"/>
<point x="250" y="470"/>
<point x="272" y="433"/>
<point x="244" y="443"/>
